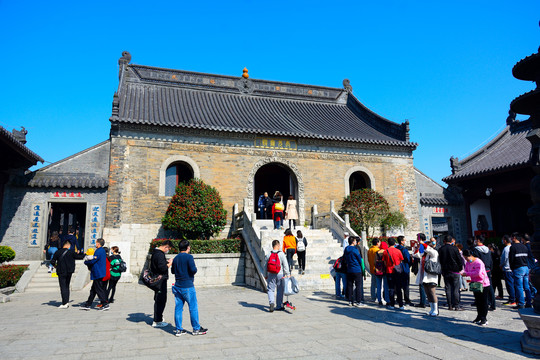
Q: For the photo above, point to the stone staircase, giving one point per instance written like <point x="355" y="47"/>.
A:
<point x="322" y="250"/>
<point x="42" y="281"/>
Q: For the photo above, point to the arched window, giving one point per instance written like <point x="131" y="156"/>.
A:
<point x="359" y="180"/>
<point x="177" y="173"/>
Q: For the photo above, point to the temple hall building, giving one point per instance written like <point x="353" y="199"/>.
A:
<point x="241" y="135"/>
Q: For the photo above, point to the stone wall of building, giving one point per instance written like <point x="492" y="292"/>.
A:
<point x="18" y="214"/>
<point x="138" y="162"/>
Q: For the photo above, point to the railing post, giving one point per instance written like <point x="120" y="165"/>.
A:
<point x="332" y="205"/>
<point x="314" y="216"/>
<point x="331" y="214"/>
<point x="235" y="211"/>
<point x="347" y="221"/>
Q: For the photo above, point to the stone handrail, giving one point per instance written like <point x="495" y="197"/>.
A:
<point x="242" y="222"/>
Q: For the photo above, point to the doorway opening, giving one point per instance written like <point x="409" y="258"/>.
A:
<point x="63" y="216"/>
<point x="274" y="177"/>
<point x="359" y="180"/>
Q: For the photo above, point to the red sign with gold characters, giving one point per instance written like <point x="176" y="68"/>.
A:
<point x="67" y="195"/>
<point x="439" y="210"/>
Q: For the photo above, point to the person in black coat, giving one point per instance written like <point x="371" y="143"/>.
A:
<point x="451" y="266"/>
<point x="64" y="261"/>
<point x="160" y="266"/>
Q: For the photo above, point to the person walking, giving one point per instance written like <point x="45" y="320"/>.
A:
<point x="159" y="265"/>
<point x="479" y="283"/>
<point x="301" y="245"/>
<point x="98" y="271"/>
<point x="261" y="205"/>
<point x="507" y="271"/>
<point x="115" y="260"/>
<point x="289" y="247"/>
<point x="183" y="268"/>
<point x="277" y="211"/>
<point x="291" y="214"/>
<point x="52" y="246"/>
<point x="518" y="258"/>
<point x="276" y="269"/>
<point x="64" y="261"/>
<point x="426" y="252"/>
<point x="376" y="274"/>
<point x="355" y="273"/>
<point x="451" y="266"/>
<point x="392" y="258"/>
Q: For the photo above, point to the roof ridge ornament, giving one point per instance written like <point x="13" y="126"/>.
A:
<point x="20" y="135"/>
<point x="511" y="119"/>
<point x="347" y="86"/>
<point x="406" y="129"/>
<point x="125" y="59"/>
<point x="245" y="85"/>
<point x="454" y="164"/>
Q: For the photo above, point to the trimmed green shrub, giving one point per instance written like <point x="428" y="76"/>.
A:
<point x="6" y="254"/>
<point x="367" y="209"/>
<point x="394" y="220"/>
<point x="10" y="274"/>
<point x="225" y="246"/>
<point x="195" y="211"/>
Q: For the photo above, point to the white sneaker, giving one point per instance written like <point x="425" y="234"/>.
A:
<point x="402" y="308"/>
<point x="65" y="306"/>
<point x="159" y="324"/>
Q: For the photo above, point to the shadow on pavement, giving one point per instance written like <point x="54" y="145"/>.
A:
<point x="452" y="327"/>
<point x="52" y="303"/>
<point x="148" y="319"/>
<point x="254" y="306"/>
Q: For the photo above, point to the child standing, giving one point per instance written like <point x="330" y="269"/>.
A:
<point x="116" y="260"/>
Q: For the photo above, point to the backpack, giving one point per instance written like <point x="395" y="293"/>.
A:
<point x="107" y="270"/>
<point x="279" y="207"/>
<point x="379" y="265"/>
<point x="274" y="265"/>
<point x="340" y="265"/>
<point x="122" y="267"/>
<point x="300" y="246"/>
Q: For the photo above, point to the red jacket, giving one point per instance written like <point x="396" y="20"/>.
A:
<point x="397" y="258"/>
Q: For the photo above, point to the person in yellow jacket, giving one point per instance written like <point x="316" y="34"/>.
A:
<point x="289" y="247"/>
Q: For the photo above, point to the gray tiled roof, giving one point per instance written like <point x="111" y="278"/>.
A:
<point x="63" y="180"/>
<point x="435" y="201"/>
<point x="9" y="139"/>
<point x="510" y="149"/>
<point x="174" y="98"/>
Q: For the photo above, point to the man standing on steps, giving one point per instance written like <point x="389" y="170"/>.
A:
<point x="64" y="261"/>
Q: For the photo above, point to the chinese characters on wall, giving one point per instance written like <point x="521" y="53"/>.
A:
<point x="283" y="144"/>
<point x="36" y="225"/>
<point x="95" y="224"/>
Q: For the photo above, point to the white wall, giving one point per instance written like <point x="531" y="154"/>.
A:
<point x="481" y="207"/>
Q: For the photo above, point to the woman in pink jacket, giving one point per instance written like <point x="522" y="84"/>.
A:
<point x="475" y="268"/>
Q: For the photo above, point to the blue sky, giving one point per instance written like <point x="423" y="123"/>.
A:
<point x="445" y="66"/>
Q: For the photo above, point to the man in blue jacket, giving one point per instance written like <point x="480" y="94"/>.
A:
<point x="184" y="270"/>
<point x="406" y="265"/>
<point x="355" y="273"/>
<point x="98" y="270"/>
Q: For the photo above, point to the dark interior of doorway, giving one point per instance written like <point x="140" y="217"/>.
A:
<point x="271" y="178"/>
<point x="358" y="180"/>
<point x="64" y="215"/>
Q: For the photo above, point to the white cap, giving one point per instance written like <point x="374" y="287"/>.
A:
<point x="346" y="233"/>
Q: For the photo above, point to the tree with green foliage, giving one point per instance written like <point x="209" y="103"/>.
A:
<point x="6" y="254"/>
<point x="394" y="220"/>
<point x="367" y="209"/>
<point x="195" y="211"/>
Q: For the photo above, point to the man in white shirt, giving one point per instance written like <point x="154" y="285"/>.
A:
<point x="345" y="241"/>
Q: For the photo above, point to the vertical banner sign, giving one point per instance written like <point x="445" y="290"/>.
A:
<point x="95" y="224"/>
<point x="457" y="229"/>
<point x="36" y="225"/>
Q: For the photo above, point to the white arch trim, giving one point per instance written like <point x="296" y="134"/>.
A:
<point x="353" y="170"/>
<point x="171" y="160"/>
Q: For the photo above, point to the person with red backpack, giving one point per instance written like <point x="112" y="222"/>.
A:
<point x="276" y="269"/>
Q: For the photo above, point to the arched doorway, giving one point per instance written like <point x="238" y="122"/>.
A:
<point x="175" y="174"/>
<point x="359" y="180"/>
<point x="274" y="177"/>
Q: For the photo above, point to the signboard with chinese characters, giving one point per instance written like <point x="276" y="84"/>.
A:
<point x="95" y="224"/>
<point x="36" y="225"/>
<point x="439" y="210"/>
<point x="67" y="195"/>
<point x="280" y="144"/>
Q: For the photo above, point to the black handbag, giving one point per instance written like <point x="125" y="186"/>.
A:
<point x="152" y="281"/>
<point x="432" y="267"/>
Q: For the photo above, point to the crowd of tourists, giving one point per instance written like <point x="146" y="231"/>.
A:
<point x="474" y="269"/>
<point x="275" y="209"/>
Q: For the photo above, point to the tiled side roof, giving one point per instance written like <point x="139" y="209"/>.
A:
<point x="79" y="180"/>
<point x="8" y="138"/>
<point x="438" y="201"/>
<point x="509" y="149"/>
<point x="173" y="98"/>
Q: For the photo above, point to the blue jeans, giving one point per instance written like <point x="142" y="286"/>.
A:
<point x="51" y="251"/>
<point x="182" y="295"/>
<point x="521" y="281"/>
<point x="380" y="282"/>
<point x="341" y="278"/>
<point x="510" y="287"/>
<point x="422" y="294"/>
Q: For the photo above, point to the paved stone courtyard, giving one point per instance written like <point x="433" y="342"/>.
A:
<point x="240" y="327"/>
